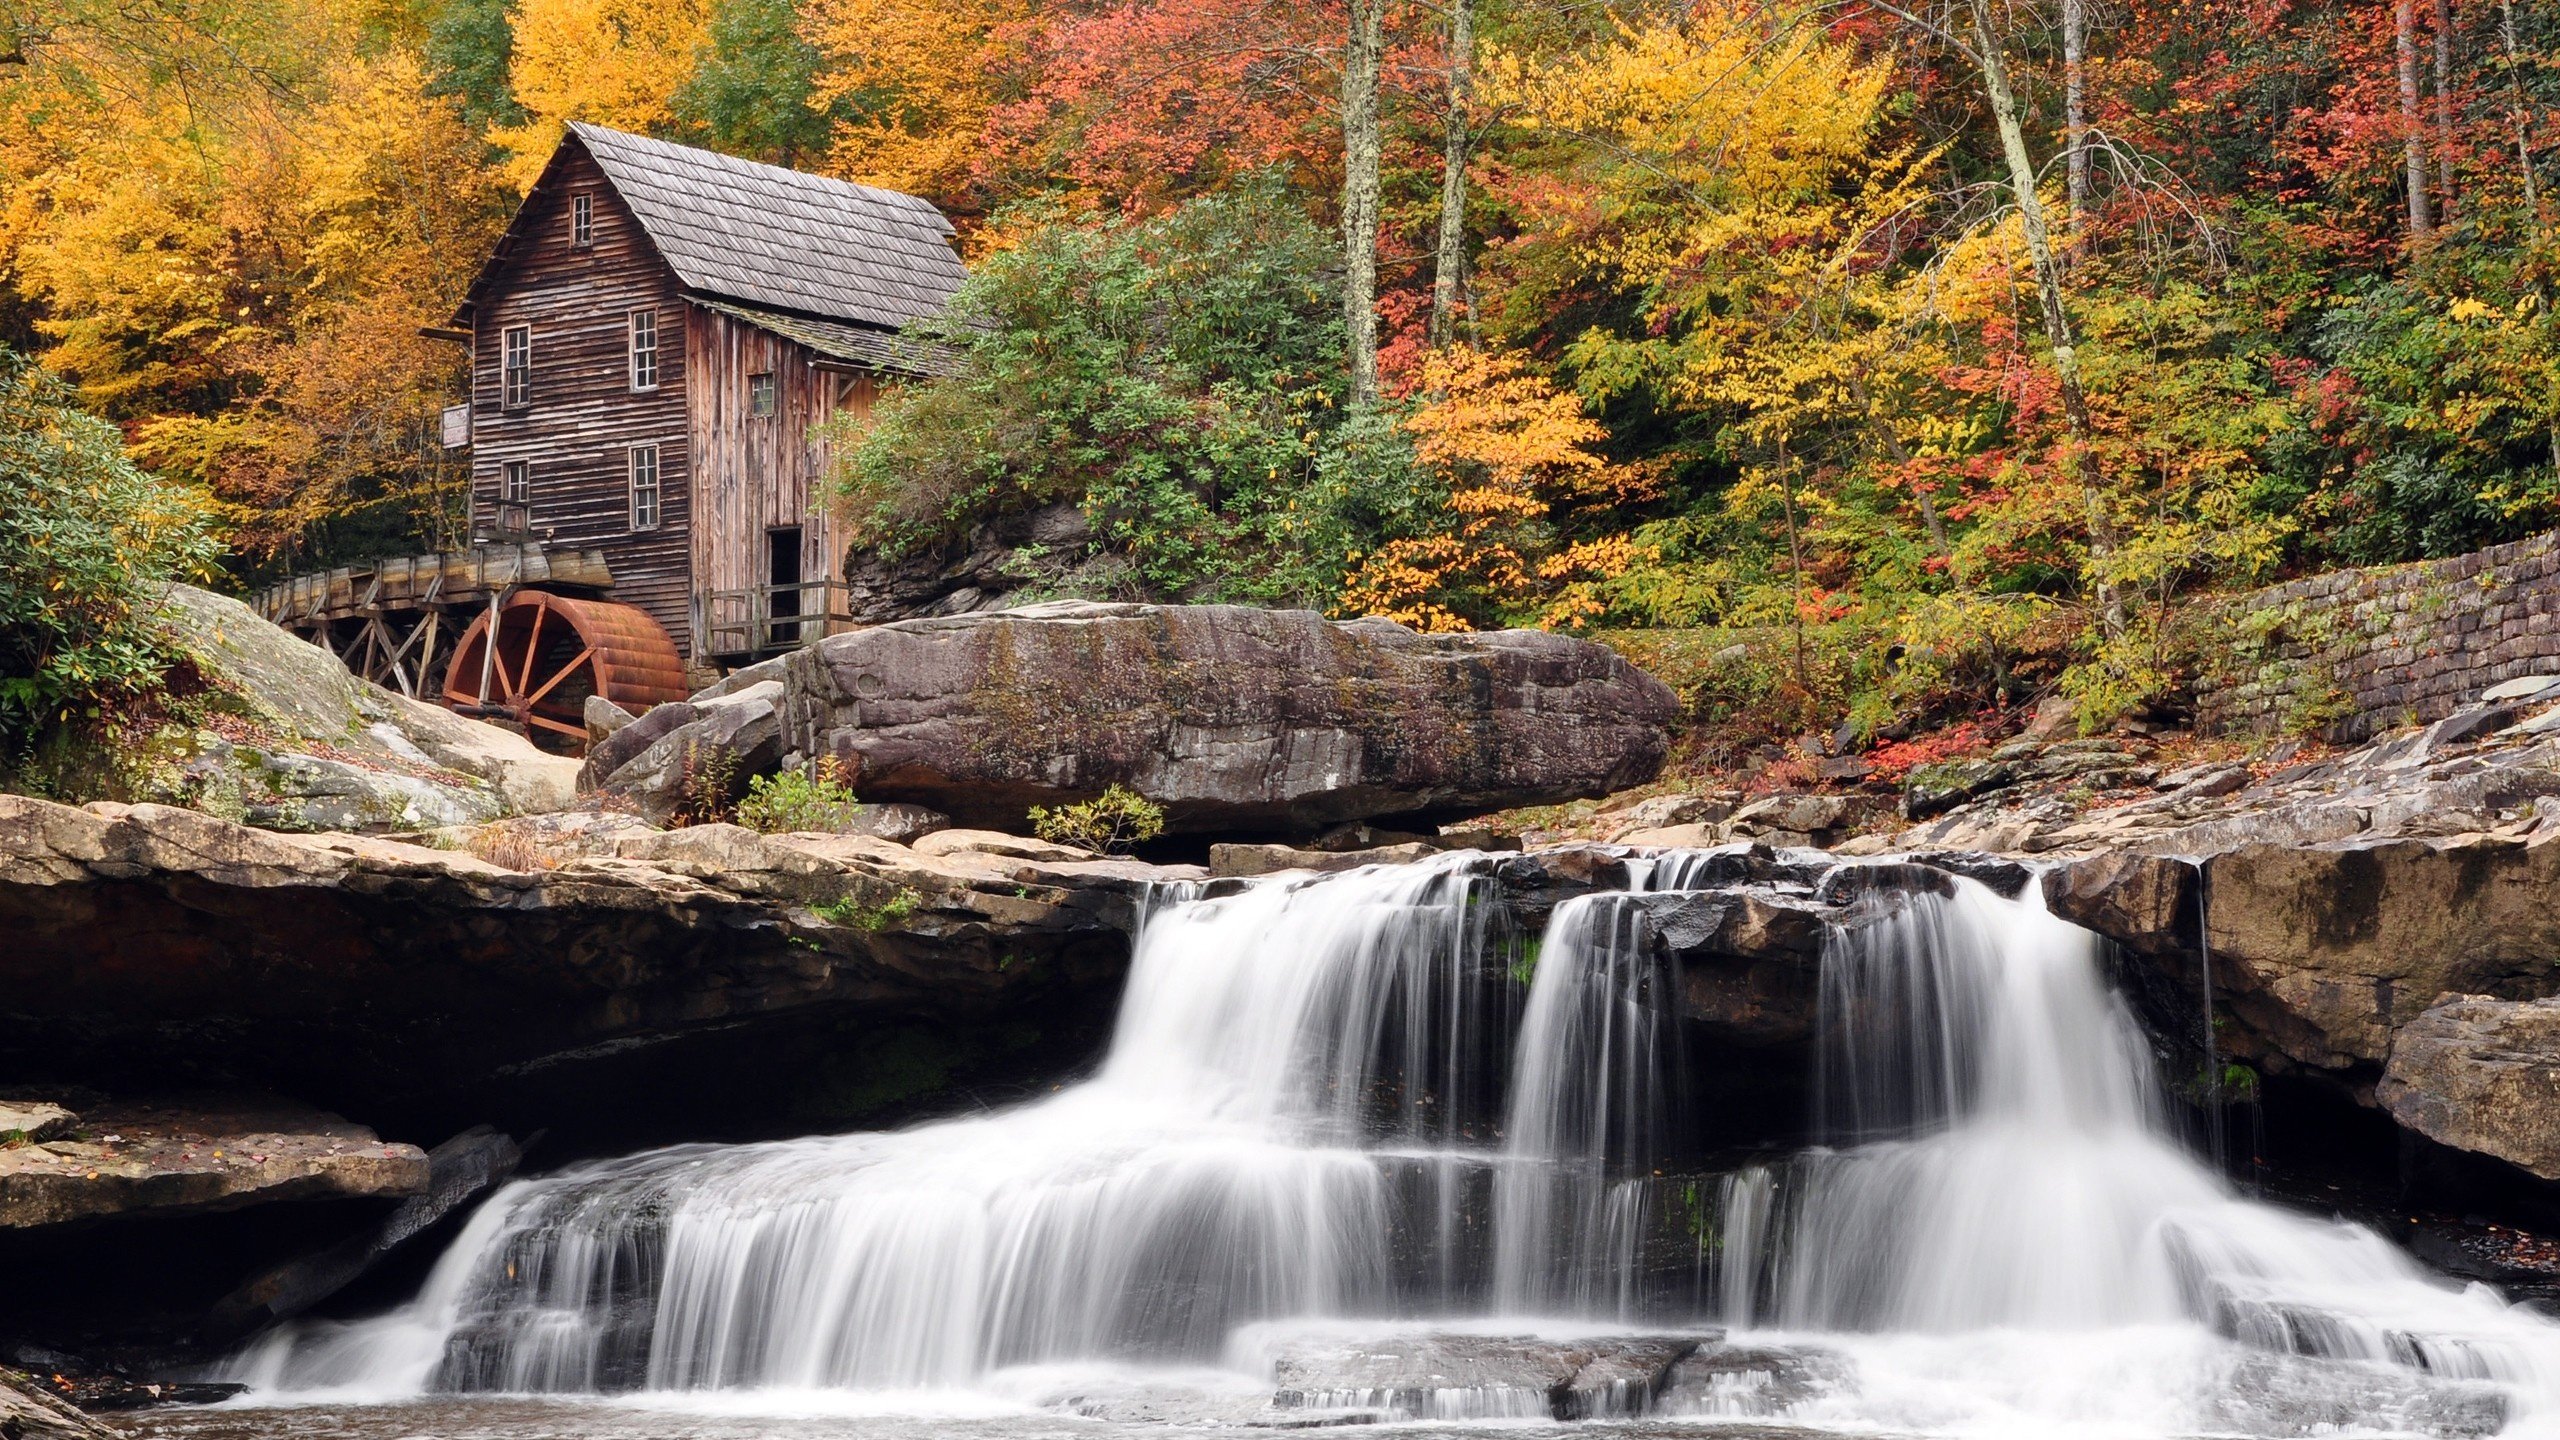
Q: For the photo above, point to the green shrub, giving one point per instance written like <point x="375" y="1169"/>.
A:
<point x="87" y="539"/>
<point x="1179" y="378"/>
<point x="1110" y="823"/>
<point x="849" y="911"/>
<point x="813" y="797"/>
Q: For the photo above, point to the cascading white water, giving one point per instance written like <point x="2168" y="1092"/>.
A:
<point x="1592" y="1109"/>
<point x="1313" y="1106"/>
<point x="1290" y="1064"/>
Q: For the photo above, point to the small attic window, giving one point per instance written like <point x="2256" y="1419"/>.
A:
<point x="582" y="219"/>
<point x="760" y="393"/>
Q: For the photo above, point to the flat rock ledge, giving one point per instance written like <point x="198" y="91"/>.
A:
<point x="147" y="941"/>
<point x="198" y="1156"/>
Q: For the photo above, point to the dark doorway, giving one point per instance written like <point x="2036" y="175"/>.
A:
<point x="782" y="568"/>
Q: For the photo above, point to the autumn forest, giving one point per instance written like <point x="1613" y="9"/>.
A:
<point x="1937" y="349"/>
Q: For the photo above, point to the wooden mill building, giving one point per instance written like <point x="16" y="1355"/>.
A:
<point x="652" y="342"/>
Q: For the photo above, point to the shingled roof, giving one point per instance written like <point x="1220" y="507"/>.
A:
<point x="854" y="344"/>
<point x="774" y="238"/>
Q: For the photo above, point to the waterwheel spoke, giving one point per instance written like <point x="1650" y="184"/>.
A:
<point x="547" y="723"/>
<point x="565" y="671"/>
<point x="532" y="648"/>
<point x="498" y="661"/>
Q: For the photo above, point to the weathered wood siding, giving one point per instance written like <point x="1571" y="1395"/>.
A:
<point x="583" y="415"/>
<point x="753" y="473"/>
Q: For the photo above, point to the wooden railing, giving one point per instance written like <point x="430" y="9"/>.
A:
<point x="767" y="620"/>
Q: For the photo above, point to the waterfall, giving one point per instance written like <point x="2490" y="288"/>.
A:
<point x="1592" y="1109"/>
<point x="1368" y="1099"/>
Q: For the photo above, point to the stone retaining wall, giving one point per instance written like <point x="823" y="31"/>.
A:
<point x="2355" y="652"/>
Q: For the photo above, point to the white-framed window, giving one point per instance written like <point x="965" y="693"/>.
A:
<point x="644" y="487"/>
<point x="515" y="367"/>
<point x="644" y="349"/>
<point x="582" y="219"/>
<point x="515" y="482"/>
<point x="760" y="393"/>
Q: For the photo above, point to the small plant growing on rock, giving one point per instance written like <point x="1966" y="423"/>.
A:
<point x="509" y="850"/>
<point x="848" y="910"/>
<point x="817" y="796"/>
<point x="706" y="786"/>
<point x="1109" y="823"/>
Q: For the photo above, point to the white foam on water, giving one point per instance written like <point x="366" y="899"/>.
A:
<point x="1325" y="1103"/>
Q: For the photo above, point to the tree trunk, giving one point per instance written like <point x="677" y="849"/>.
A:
<point x="2444" y="110"/>
<point x="1360" y="59"/>
<point x="1449" y="275"/>
<point x="2048" y="268"/>
<point x="2404" y="24"/>
<point x="1930" y="520"/>
<point x="2522" y="118"/>
<point x="2075" y="110"/>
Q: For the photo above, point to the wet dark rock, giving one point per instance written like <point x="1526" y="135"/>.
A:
<point x="1232" y="719"/>
<point x="1894" y="879"/>
<point x="2005" y="878"/>
<point x="105" y="1392"/>
<point x="1750" y="954"/>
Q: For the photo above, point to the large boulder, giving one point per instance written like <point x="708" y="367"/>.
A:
<point x="296" y="742"/>
<point x="1232" y="719"/>
<point x="2481" y="1074"/>
<point x="690" y="755"/>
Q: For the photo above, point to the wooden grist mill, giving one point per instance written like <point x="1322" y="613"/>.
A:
<point x="657" y="346"/>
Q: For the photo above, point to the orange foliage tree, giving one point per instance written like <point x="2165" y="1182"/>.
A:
<point x="1535" y="514"/>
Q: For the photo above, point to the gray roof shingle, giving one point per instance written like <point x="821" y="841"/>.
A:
<point x="773" y="237"/>
<point x="857" y="344"/>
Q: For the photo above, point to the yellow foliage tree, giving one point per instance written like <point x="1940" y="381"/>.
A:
<point x="235" y="263"/>
<point x="918" y="78"/>
<point x="613" y="62"/>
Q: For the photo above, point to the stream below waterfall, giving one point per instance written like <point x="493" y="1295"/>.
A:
<point x="1363" y="1150"/>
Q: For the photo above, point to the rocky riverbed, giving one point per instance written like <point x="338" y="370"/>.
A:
<point x="252" y="1061"/>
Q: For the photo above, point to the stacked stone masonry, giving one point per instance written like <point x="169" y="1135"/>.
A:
<point x="2353" y="653"/>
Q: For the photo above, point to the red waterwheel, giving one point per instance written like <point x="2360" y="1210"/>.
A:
<point x="549" y="653"/>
